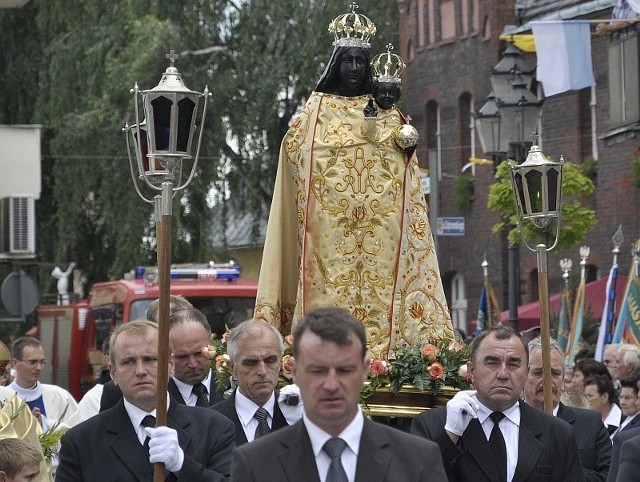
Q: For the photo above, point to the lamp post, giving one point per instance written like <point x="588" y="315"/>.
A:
<point x="162" y="141"/>
<point x="537" y="187"/>
<point x="510" y="112"/>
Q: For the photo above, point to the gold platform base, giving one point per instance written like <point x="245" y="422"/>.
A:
<point x="407" y="403"/>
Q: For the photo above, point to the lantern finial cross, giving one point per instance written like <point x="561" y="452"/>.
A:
<point x="172" y="56"/>
<point x="535" y="136"/>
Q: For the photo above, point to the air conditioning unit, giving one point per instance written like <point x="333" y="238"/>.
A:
<point x="18" y="226"/>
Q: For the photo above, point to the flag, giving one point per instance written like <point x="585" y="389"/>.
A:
<point x="563" y="321"/>
<point x="605" y="333"/>
<point x="564" y="55"/>
<point x="576" y="324"/>
<point x="493" y="306"/>
<point x="630" y="313"/>
<point x="483" y="313"/>
<point x="629" y="303"/>
<point x="524" y="41"/>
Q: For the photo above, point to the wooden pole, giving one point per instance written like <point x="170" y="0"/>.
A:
<point x="545" y="331"/>
<point x="163" y="232"/>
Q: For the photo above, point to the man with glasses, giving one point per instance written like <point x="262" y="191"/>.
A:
<point x="49" y="403"/>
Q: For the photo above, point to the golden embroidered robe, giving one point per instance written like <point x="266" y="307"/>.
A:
<point x="349" y="227"/>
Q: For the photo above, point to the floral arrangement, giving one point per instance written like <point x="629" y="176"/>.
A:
<point x="427" y="367"/>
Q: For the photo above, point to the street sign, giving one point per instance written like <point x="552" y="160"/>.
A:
<point x="450" y="226"/>
<point x="426" y="185"/>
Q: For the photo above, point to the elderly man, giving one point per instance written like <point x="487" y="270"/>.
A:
<point x="118" y="444"/>
<point x="255" y="350"/>
<point x="627" y="361"/>
<point x="488" y="434"/>
<point x="334" y="441"/>
<point x="591" y="436"/>
<point x="49" y="403"/>
<point x="609" y="357"/>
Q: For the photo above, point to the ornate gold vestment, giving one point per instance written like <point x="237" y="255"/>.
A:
<point x="349" y="227"/>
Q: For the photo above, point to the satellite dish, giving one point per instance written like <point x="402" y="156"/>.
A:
<point x="19" y="287"/>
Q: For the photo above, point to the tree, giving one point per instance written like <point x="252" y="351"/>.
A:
<point x="576" y="220"/>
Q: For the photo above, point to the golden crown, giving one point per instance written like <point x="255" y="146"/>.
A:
<point x="387" y="67"/>
<point x="352" y="30"/>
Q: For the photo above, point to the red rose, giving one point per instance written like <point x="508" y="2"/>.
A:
<point x="436" y="370"/>
<point x="378" y="367"/>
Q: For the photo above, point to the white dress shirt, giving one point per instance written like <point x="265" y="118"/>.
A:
<point x="351" y="435"/>
<point x="186" y="390"/>
<point x="509" y="426"/>
<point x="136" y="415"/>
<point x="246" y="410"/>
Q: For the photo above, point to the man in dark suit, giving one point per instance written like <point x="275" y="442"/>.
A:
<point x="194" y="381"/>
<point x="119" y="443"/>
<point x="334" y="439"/>
<point x="193" y="378"/>
<point x="255" y="351"/>
<point x="625" y="463"/>
<point x="591" y="435"/>
<point x="488" y="434"/>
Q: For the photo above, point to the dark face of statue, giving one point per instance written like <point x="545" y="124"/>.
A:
<point x="386" y="95"/>
<point x="353" y="64"/>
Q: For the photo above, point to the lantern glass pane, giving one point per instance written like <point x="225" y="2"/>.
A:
<point x="552" y="181"/>
<point x="185" y="116"/>
<point x="534" y="186"/>
<point x="162" y="122"/>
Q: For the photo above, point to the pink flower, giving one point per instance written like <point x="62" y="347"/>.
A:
<point x="221" y="361"/>
<point x="429" y="351"/>
<point x="463" y="372"/>
<point x="208" y="352"/>
<point x="287" y="364"/>
<point x="455" y="346"/>
<point x="289" y="340"/>
<point x="436" y="370"/>
<point x="378" y="367"/>
<point x="225" y="336"/>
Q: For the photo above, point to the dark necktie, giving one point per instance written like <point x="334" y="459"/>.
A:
<point x="263" y="427"/>
<point x="497" y="445"/>
<point x="148" y="421"/>
<point x="200" y="391"/>
<point x="334" y="448"/>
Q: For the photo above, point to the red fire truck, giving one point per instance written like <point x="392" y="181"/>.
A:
<point x="72" y="335"/>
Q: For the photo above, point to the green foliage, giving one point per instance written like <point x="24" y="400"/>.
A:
<point x="69" y="66"/>
<point x="463" y="192"/>
<point x="576" y="220"/>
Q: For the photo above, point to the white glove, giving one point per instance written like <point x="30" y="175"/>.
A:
<point x="290" y="402"/>
<point x="164" y="447"/>
<point x="461" y="409"/>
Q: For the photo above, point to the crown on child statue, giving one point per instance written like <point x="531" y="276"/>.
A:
<point x="352" y="29"/>
<point x="387" y="67"/>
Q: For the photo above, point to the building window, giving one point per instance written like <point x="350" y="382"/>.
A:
<point x="459" y="302"/>
<point x="448" y="19"/>
<point x="624" y="85"/>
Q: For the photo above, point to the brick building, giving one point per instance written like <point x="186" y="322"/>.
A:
<point x="450" y="47"/>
